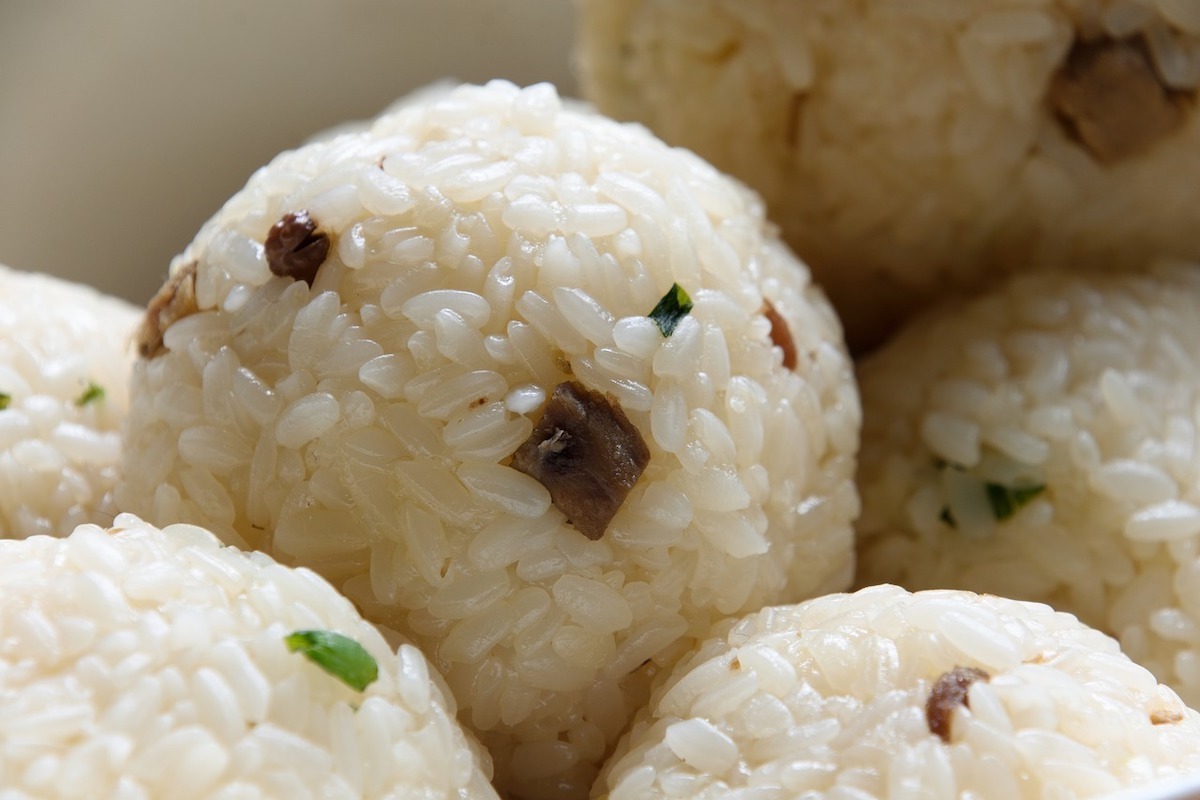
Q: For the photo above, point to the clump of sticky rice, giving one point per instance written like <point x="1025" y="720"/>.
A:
<point x="1040" y="442"/>
<point x="143" y="663"/>
<point x="967" y="140"/>
<point x="65" y="360"/>
<point x="444" y="362"/>
<point x="882" y="693"/>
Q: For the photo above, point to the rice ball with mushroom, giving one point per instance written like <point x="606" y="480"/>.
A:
<point x="526" y="384"/>
<point x="144" y="663"/>
<point x="65" y="360"/>
<point x="1040" y="442"/>
<point x="910" y="148"/>
<point x="883" y="693"/>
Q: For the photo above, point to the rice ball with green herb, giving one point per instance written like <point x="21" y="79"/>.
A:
<point x="65" y="361"/>
<point x="1040" y="442"/>
<point x="883" y="693"/>
<point x="146" y="663"/>
<point x="526" y="384"/>
<point x="910" y="148"/>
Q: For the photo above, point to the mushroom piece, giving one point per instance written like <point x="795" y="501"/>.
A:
<point x="587" y="454"/>
<point x="174" y="301"/>
<point x="950" y="692"/>
<point x="295" y="247"/>
<point x="1110" y="98"/>
<point x="781" y="336"/>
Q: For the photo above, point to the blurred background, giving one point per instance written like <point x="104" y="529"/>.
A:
<point x="125" y="124"/>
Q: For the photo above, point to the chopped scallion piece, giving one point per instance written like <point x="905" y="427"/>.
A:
<point x="340" y="656"/>
<point x="1005" y="500"/>
<point x="673" y="306"/>
<point x="94" y="393"/>
<point x="5" y="401"/>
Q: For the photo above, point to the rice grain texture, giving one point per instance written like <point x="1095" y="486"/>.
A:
<point x="1040" y="443"/>
<point x="829" y="699"/>
<point x="486" y="246"/>
<point x="66" y="355"/>
<point x="146" y="663"/>
<point x="910" y="149"/>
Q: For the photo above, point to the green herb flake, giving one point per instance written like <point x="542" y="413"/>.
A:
<point x="1005" y="500"/>
<point x="340" y="656"/>
<point x="94" y="393"/>
<point x="5" y="401"/>
<point x="673" y="307"/>
<point x="947" y="518"/>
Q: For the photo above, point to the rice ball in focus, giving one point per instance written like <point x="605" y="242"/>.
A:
<point x="139" y="663"/>
<point x="967" y="140"/>
<point x="883" y="693"/>
<point x="65" y="359"/>
<point x="1040" y="442"/>
<point x="527" y="385"/>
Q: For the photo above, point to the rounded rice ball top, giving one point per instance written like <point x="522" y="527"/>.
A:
<point x="141" y="663"/>
<point x="882" y="692"/>
<point x="526" y="384"/>
<point x="65" y="361"/>
<point x="1040" y="442"/>
<point x="969" y="140"/>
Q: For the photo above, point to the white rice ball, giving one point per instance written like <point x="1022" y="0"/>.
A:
<point x="883" y="693"/>
<point x="65" y="360"/>
<point x="1040" y="443"/>
<point x="910" y="148"/>
<point x="415" y="424"/>
<point x="139" y="663"/>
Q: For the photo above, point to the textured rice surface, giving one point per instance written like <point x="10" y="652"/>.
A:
<point x="938" y="156"/>
<point x="828" y="699"/>
<point x="139" y="663"/>
<point x="58" y="455"/>
<point x="484" y="248"/>
<point x="1086" y="387"/>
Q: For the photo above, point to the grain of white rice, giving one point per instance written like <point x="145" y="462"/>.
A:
<point x="1117" y="525"/>
<point x="59" y="457"/>
<point x="386" y="374"/>
<point x="938" y="158"/>
<point x="473" y="266"/>
<point x="159" y="669"/>
<point x="829" y="699"/>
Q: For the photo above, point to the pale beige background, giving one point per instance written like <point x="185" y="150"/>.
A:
<point x="124" y="124"/>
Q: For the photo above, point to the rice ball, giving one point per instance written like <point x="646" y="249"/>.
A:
<point x="883" y="693"/>
<point x="65" y="362"/>
<point x="1040" y="442"/>
<point x="913" y="148"/>
<point x="142" y="663"/>
<point x="527" y="385"/>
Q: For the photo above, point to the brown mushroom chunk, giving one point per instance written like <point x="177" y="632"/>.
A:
<point x="295" y="248"/>
<point x="174" y="301"/>
<point x="781" y="336"/>
<point x="1109" y="97"/>
<point x="950" y="692"/>
<point x="587" y="454"/>
<point x="1165" y="716"/>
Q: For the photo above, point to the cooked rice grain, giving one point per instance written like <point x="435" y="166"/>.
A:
<point x="1040" y="442"/>
<point x="831" y="698"/>
<point x="488" y="246"/>
<point x="59" y="455"/>
<point x="139" y="663"/>
<point x="967" y="141"/>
